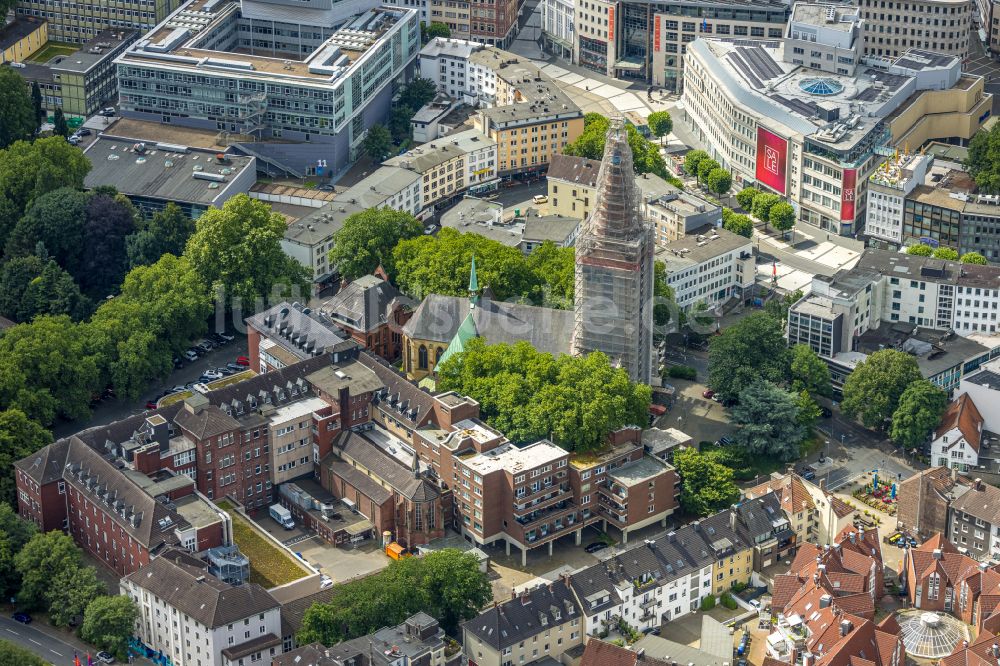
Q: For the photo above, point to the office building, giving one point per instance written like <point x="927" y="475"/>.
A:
<point x="614" y="267"/>
<point x="888" y="189"/>
<point x="709" y="266"/>
<point x="21" y="38"/>
<point x="797" y="131"/>
<point x="827" y="38"/>
<point x="943" y="26"/>
<point x="558" y="36"/>
<point x="191" y="617"/>
<point x="316" y="77"/>
<point x="647" y="41"/>
<point x="79" y="23"/>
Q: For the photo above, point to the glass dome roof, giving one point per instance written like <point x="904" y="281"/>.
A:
<point x="930" y="635"/>
<point x="821" y="86"/>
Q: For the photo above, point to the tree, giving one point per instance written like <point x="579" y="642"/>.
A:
<point x="14" y="533"/>
<point x="455" y="587"/>
<point x="706" y="486"/>
<point x="105" y="259"/>
<point x="745" y="198"/>
<point x="873" y="390"/>
<point x="41" y="562"/>
<point x="983" y="161"/>
<point x="367" y="239"/>
<point x="47" y="369"/>
<point x="973" y="258"/>
<point x="737" y="223"/>
<point x="646" y="157"/>
<point x="71" y="592"/>
<point x="418" y="92"/>
<point x="762" y="205"/>
<point x="767" y="421"/>
<point x="19" y="438"/>
<point x="377" y="143"/>
<point x="61" y="126"/>
<point x="31" y="286"/>
<point x="18" y="120"/>
<point x="692" y="160"/>
<point x="108" y="622"/>
<point x="706" y="167"/>
<point x="920" y="409"/>
<point x="719" y="181"/>
<point x="666" y="303"/>
<point x="920" y="250"/>
<point x="36" y="104"/>
<point x="165" y="233"/>
<point x="809" y="410"/>
<point x="778" y="307"/>
<point x="945" y="253"/>
<point x="56" y="220"/>
<point x="809" y="372"/>
<point x="590" y="143"/>
<point x="436" y="29"/>
<point x="29" y="170"/>
<point x="527" y="394"/>
<point x="237" y="249"/>
<point x="556" y="268"/>
<point x="399" y="123"/>
<point x="781" y="216"/>
<point x="752" y="348"/>
<point x="14" y="655"/>
<point x="660" y="124"/>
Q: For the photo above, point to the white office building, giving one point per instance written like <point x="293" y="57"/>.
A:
<point x="710" y="266"/>
<point x="557" y="27"/>
<point x="888" y="188"/>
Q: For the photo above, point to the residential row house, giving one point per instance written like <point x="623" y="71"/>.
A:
<point x="451" y="165"/>
<point x="815" y="514"/>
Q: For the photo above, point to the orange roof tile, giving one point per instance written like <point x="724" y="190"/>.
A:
<point x="964" y="415"/>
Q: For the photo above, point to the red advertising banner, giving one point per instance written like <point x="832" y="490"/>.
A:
<point x="772" y="160"/>
<point x="656" y="35"/>
<point x="847" y="189"/>
<point x="611" y="24"/>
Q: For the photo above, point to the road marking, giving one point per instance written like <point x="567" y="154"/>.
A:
<point x="34" y="641"/>
<point x="12" y="631"/>
<point x="58" y="654"/>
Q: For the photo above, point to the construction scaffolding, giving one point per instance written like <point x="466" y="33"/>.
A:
<point x="614" y="267"/>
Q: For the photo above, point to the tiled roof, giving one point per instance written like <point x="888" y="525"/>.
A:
<point x="840" y="507"/>
<point x="521" y="618"/>
<point x="963" y="414"/>
<point x="791" y="488"/>
<point x="205" y="598"/>
<point x="356" y="448"/>
<point x="400" y="398"/>
<point x="574" y="169"/>
<point x="980" y="501"/>
<point x="206" y="422"/>
<point x="364" y="483"/>
<point x="365" y="304"/>
<point x="599" y="653"/>
<point x="979" y="653"/>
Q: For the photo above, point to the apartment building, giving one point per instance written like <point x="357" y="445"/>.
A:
<point x="451" y="165"/>
<point x="708" y="266"/>
<point x="528" y="134"/>
<point x="888" y="188"/>
<point x="20" y="39"/>
<point x="418" y="641"/>
<point x="891" y="28"/>
<point x="286" y="334"/>
<point x="538" y="623"/>
<point x="815" y="514"/>
<point x="192" y="618"/>
<point x="959" y="437"/>
<point x="317" y="81"/>
<point x="558" y="36"/>
<point x="309" y="239"/>
<point x="795" y="130"/>
<point x="647" y="41"/>
<point x="79" y="23"/>
<point x="572" y="182"/>
<point x="973" y="522"/>
<point x="122" y="519"/>
<point x="924" y="500"/>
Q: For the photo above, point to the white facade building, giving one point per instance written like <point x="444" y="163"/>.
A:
<point x="827" y="38"/>
<point x="888" y="187"/>
<point x="708" y="266"/>
<point x="194" y="619"/>
<point x="957" y="440"/>
<point x="557" y="27"/>
<point x="445" y="61"/>
<point x="984" y="389"/>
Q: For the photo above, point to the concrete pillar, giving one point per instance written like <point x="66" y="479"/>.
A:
<point x="604" y="524"/>
<point x="579" y="536"/>
<point x="507" y="542"/>
<point x="550" y="549"/>
<point x="524" y="556"/>
<point x="624" y="536"/>
<point x="663" y="522"/>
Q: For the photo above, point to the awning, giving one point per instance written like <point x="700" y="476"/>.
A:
<point x="359" y="527"/>
<point x="629" y="64"/>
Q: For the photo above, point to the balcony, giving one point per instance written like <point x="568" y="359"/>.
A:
<point x="649" y="603"/>
<point x="556" y="493"/>
<point x="547" y="513"/>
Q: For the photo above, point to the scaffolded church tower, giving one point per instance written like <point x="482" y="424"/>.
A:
<point x="614" y="267"/>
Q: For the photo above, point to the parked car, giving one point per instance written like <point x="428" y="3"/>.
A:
<point x="204" y="346"/>
<point x="74" y="141"/>
<point x="177" y="389"/>
<point x="218" y="340"/>
<point x="178" y="364"/>
<point x="211" y="375"/>
<point x="235" y="367"/>
<point x="540" y="199"/>
<point x="725" y="440"/>
<point x="708" y="393"/>
<point x="23" y="618"/>
<point x="807" y="473"/>
<point x="325" y="582"/>
<point x="225" y="372"/>
<point x="595" y="547"/>
<point x="83" y="131"/>
<point x="109" y="112"/>
<point x="826" y="412"/>
<point x="225" y="336"/>
<point x="150" y="404"/>
<point x="190" y="355"/>
<point x="243" y="360"/>
<point x="105" y="658"/>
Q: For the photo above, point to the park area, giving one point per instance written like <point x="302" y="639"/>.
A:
<point x="270" y="566"/>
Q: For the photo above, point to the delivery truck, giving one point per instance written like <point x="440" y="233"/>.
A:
<point x="282" y="516"/>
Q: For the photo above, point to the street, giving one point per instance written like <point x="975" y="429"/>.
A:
<point x="38" y="639"/>
<point x="981" y="63"/>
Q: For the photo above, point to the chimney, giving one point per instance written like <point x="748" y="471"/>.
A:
<point x="807" y="659"/>
<point x="978" y="484"/>
<point x="822" y="483"/>
<point x="954" y="474"/>
<point x="995" y="650"/>
<point x="845" y="627"/>
<point x="732" y="521"/>
<point x="938" y="554"/>
<point x="852" y="537"/>
<point x="824" y="601"/>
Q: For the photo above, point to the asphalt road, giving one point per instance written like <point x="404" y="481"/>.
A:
<point x="48" y="647"/>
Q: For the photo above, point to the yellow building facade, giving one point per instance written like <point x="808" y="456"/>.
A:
<point x="526" y="140"/>
<point x="22" y="39"/>
<point x="737" y="568"/>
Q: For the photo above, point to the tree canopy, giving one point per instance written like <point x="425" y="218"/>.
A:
<point x="973" y="258"/>
<point x="692" y="160"/>
<point x="809" y="372"/>
<point x="737" y="223"/>
<point x="14" y="655"/>
<point x="367" y="240"/>
<point x="529" y="395"/>
<point x="767" y="421"/>
<point x="14" y="533"/>
<point x="166" y="232"/>
<point x="108" y="623"/>
<point x="237" y="249"/>
<point x="752" y="348"/>
<point x="983" y="161"/>
<point x="781" y="216"/>
<point x="377" y="143"/>
<point x="660" y="123"/>
<point x="706" y="485"/>
<point x="42" y="561"/>
<point x="446" y="584"/>
<point x="31" y="286"/>
<point x="436" y="29"/>
<point x="872" y="391"/>
<point x="763" y="202"/>
<point x="18" y="119"/>
<point x="646" y="157"/>
<point x="719" y="181"/>
<point x="920" y="409"/>
<point x="745" y="198"/>
<point x="920" y="250"/>
<point x="19" y="438"/>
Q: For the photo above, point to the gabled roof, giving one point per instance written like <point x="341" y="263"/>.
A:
<point x="365" y="304"/>
<point x="400" y="397"/>
<point x="981" y="501"/>
<point x="791" y="489"/>
<point x="979" y="653"/>
<point x="599" y="653"/>
<point x="192" y="591"/>
<point x="963" y="414"/>
<point x="357" y="449"/>
<point x="466" y="332"/>
<point x="208" y="421"/>
<point x="528" y="614"/>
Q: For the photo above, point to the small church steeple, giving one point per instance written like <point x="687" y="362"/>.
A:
<point x="473" y="285"/>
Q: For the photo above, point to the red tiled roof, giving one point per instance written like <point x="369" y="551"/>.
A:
<point x="976" y="654"/>
<point x="790" y="489"/>
<point x="840" y="507"/>
<point x="599" y="653"/>
<point x="964" y="415"/>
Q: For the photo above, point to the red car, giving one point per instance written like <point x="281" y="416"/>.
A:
<point x="150" y="404"/>
<point x="242" y="360"/>
<point x="707" y="393"/>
